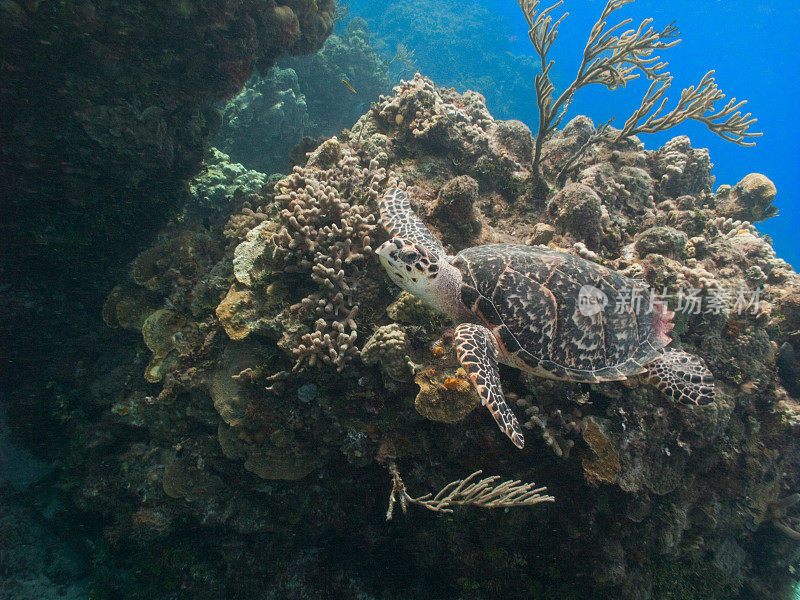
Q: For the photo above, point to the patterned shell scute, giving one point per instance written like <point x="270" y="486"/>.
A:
<point x="535" y="292"/>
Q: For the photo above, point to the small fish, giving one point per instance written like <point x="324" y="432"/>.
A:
<point x="352" y="89"/>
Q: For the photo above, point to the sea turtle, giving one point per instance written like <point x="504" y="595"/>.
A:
<point x="540" y="310"/>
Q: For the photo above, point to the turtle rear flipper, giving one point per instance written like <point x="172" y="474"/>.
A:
<point x="400" y="220"/>
<point x="477" y="353"/>
<point x="682" y="376"/>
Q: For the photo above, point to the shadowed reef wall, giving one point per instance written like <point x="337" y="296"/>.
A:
<point x="106" y="109"/>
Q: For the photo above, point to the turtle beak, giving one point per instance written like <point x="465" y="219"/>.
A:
<point x="383" y="249"/>
<point x="383" y="253"/>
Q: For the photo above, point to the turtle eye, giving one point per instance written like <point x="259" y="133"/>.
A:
<point x="409" y="256"/>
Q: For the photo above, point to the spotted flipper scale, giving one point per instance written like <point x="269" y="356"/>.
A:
<point x="682" y="376"/>
<point x="399" y="219"/>
<point x="478" y="355"/>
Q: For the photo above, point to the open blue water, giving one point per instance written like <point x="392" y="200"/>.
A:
<point x="752" y="45"/>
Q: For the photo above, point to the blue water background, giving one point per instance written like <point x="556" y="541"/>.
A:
<point x="751" y="44"/>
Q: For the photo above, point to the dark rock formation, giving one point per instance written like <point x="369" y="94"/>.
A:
<point x="106" y="110"/>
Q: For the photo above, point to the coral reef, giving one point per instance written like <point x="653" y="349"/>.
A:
<point x="456" y="205"/>
<point x="749" y="200"/>
<point x="214" y="187"/>
<point x="132" y="92"/>
<point x="264" y="121"/>
<point x="389" y="345"/>
<point x="292" y="372"/>
<point x="303" y="97"/>
<point x="346" y="57"/>
<point x="445" y="396"/>
<point x="328" y="239"/>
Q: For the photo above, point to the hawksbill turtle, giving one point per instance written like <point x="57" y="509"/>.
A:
<point x="540" y="310"/>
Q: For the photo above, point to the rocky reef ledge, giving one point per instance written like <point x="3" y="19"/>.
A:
<point x="106" y="111"/>
<point x="245" y="433"/>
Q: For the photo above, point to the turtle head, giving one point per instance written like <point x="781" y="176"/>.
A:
<point x="411" y="266"/>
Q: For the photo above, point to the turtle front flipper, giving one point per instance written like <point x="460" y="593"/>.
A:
<point x="682" y="376"/>
<point x="399" y="219"/>
<point x="478" y="354"/>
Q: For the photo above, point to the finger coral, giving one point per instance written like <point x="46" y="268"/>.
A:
<point x="326" y="233"/>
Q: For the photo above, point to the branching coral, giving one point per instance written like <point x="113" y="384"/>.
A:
<point x="328" y="238"/>
<point x="486" y="493"/>
<point x="615" y="60"/>
<point x="696" y="103"/>
<point x="557" y="426"/>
